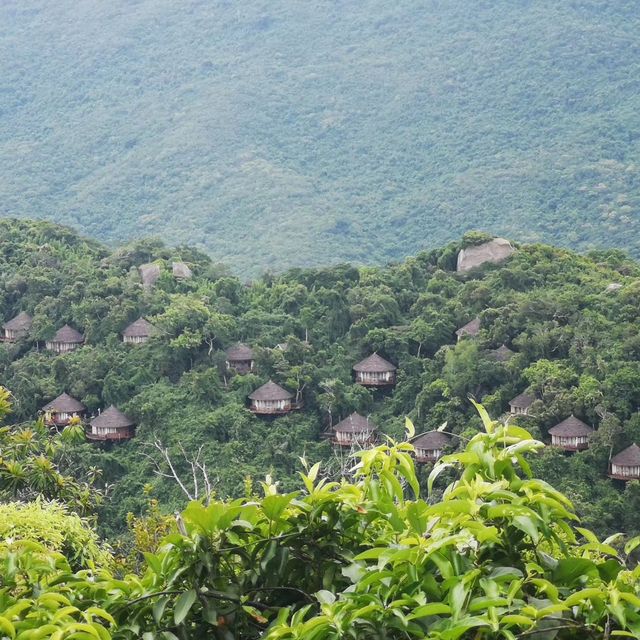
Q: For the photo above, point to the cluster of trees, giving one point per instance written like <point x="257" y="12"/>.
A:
<point x="402" y="126"/>
<point x="371" y="555"/>
<point x="575" y="340"/>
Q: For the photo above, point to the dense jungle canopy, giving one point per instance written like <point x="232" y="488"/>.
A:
<point x="278" y="134"/>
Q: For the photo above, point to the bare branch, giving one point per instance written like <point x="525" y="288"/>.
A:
<point x="167" y="458"/>
<point x="197" y="466"/>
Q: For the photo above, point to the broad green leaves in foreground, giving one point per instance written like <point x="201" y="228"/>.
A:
<point x="501" y="555"/>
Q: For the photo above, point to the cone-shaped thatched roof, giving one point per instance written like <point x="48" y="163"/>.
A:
<point x="68" y="335"/>
<point x="355" y="423"/>
<point x="431" y="441"/>
<point x="523" y="401"/>
<point x="239" y="352"/>
<point x="64" y="403"/>
<point x="22" y="322"/>
<point x="271" y="391"/>
<point x="629" y="457"/>
<point x="502" y="353"/>
<point x="571" y="427"/>
<point x="141" y="328"/>
<point x="472" y="328"/>
<point x="374" y="363"/>
<point x="113" y="418"/>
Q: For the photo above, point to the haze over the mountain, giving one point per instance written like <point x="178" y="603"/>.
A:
<point x="292" y="133"/>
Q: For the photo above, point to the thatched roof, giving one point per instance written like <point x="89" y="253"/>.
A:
<point x="141" y="328"/>
<point x="629" y="457"/>
<point x="470" y="329"/>
<point x="571" y="427"/>
<point x="374" y="363"/>
<point x="181" y="271"/>
<point x="431" y="441"/>
<point x="149" y="273"/>
<point x="68" y="335"/>
<point x="64" y="403"/>
<point x="22" y="322"/>
<point x="239" y="353"/>
<point x="523" y="401"/>
<point x="355" y="423"/>
<point x="271" y="391"/>
<point x="502" y="353"/>
<point x="495" y="250"/>
<point x="113" y="418"/>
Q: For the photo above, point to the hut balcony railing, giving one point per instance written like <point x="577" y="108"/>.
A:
<point x="622" y="476"/>
<point x="14" y="337"/>
<point x="102" y="437"/>
<point x="375" y="381"/>
<point x="361" y="441"/>
<point x="428" y="457"/>
<point x="581" y="446"/>
<point x="274" y="411"/>
<point x="59" y="422"/>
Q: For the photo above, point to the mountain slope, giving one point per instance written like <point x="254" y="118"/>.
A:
<point x="575" y="338"/>
<point x="274" y="134"/>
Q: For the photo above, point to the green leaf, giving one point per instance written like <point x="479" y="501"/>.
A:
<point x="158" y="608"/>
<point x="184" y="602"/>
<point x="582" y="596"/>
<point x="527" y="524"/>
<point x="451" y="507"/>
<point x="7" y="627"/>
<point x="609" y="569"/>
<point x="488" y="423"/>
<point x="273" y="506"/>
<point x="631" y="545"/>
<point x="409" y="428"/>
<point x="435" y="472"/>
<point x="431" y="609"/>
<point x="570" y="570"/>
<point x="457" y="596"/>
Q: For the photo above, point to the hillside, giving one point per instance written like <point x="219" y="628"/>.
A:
<point x="277" y="134"/>
<point x="575" y="341"/>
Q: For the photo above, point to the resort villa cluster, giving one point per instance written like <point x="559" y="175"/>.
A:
<point x="272" y="400"/>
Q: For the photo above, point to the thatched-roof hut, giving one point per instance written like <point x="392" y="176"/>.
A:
<point x="519" y="406"/>
<point x="626" y="465"/>
<point x="59" y="412"/>
<point x="272" y="399"/>
<point x="240" y="358"/>
<point x="375" y="371"/>
<point x="111" y="425"/>
<point x="65" y="340"/>
<point x="494" y="251"/>
<point x="430" y="446"/>
<point x="17" y="328"/>
<point x="571" y="434"/>
<point x="471" y="329"/>
<point x="138" y="332"/>
<point x="354" y="430"/>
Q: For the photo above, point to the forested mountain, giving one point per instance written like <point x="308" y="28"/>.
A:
<point x="570" y="320"/>
<point x="275" y="134"/>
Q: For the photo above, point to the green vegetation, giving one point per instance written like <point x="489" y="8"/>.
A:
<point x="576" y="343"/>
<point x="499" y="556"/>
<point x="276" y="134"/>
<point x="490" y="542"/>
